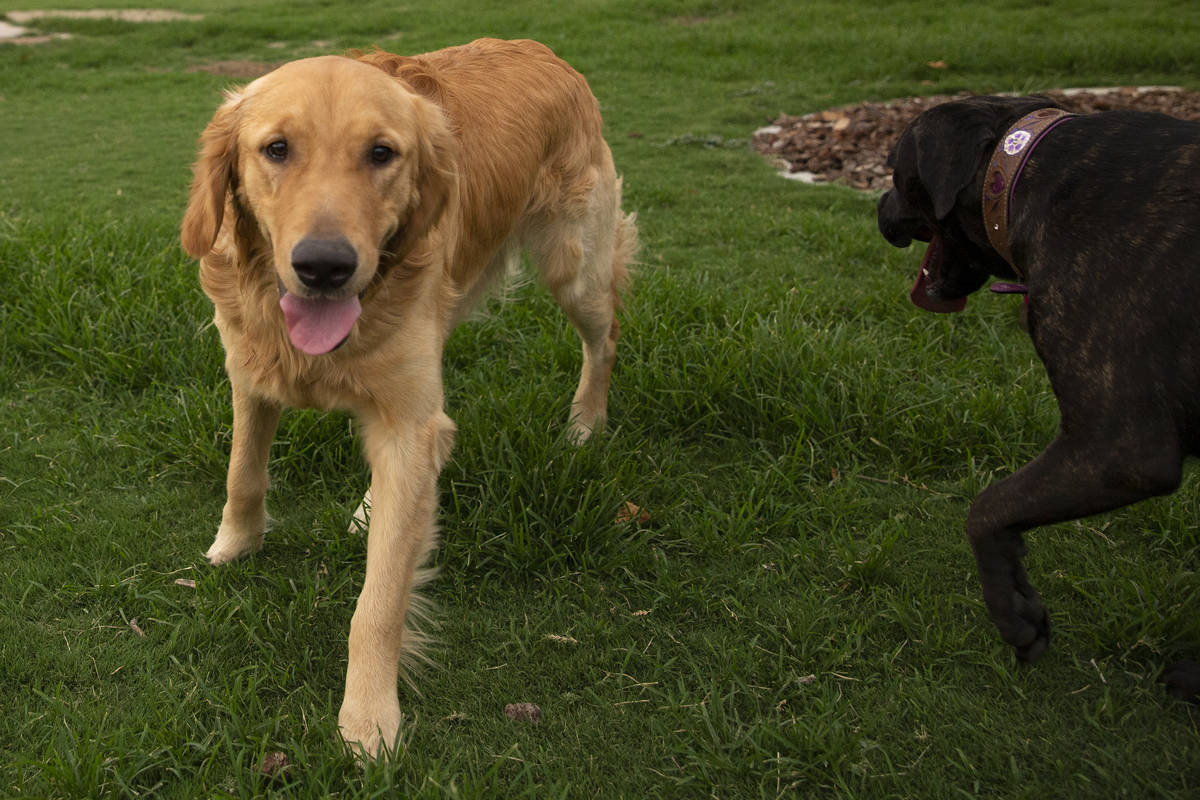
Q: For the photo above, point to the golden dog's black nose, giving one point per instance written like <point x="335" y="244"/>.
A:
<point x="324" y="264"/>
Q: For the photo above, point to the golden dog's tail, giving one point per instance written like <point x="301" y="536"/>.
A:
<point x="625" y="249"/>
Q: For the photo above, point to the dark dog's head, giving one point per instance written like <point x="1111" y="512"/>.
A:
<point x="938" y="165"/>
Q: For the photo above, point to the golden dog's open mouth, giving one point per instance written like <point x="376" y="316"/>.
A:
<point x="319" y="325"/>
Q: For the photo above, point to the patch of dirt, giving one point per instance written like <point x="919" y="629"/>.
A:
<point x="13" y="32"/>
<point x="850" y="145"/>
<point x="120" y="14"/>
<point x="236" y="69"/>
<point x="8" y="31"/>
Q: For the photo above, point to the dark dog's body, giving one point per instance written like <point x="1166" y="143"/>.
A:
<point x="1105" y="230"/>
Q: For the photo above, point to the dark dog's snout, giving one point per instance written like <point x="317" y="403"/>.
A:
<point x="891" y="224"/>
<point x="324" y="264"/>
<point x="897" y="225"/>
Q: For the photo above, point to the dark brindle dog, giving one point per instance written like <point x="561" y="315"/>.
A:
<point x="1098" y="217"/>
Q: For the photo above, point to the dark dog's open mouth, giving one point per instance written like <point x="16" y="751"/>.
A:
<point x="931" y="267"/>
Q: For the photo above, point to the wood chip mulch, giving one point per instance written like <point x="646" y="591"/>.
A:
<point x="850" y="145"/>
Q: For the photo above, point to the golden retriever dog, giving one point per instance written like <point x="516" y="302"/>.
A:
<point x="347" y="213"/>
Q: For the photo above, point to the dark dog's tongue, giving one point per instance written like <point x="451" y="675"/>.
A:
<point x="920" y="295"/>
<point x="318" y="325"/>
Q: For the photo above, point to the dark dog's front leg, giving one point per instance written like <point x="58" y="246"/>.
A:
<point x="1014" y="606"/>
<point x="1069" y="480"/>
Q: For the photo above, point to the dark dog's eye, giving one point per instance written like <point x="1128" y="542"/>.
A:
<point x="277" y="150"/>
<point x="382" y="154"/>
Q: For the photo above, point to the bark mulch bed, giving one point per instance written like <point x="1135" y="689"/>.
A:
<point x="850" y="145"/>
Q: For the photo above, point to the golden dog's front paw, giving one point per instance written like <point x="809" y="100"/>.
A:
<point x="583" y="425"/>
<point x="371" y="735"/>
<point x="231" y="543"/>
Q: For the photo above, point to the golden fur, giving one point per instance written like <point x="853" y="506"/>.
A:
<point x="432" y="172"/>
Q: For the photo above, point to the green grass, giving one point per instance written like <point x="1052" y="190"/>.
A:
<point x="799" y="615"/>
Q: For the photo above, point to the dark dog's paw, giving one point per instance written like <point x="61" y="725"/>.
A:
<point x="1017" y="611"/>
<point x="1182" y="680"/>
<point x="1027" y="606"/>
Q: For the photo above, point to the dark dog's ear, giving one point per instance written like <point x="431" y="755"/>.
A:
<point x="212" y="177"/>
<point x="435" y="179"/>
<point x="949" y="157"/>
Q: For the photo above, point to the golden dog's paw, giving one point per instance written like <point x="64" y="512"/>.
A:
<point x="371" y="736"/>
<point x="583" y="426"/>
<point x="578" y="434"/>
<point x="231" y="544"/>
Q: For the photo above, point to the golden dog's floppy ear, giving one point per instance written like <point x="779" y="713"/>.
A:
<point x="435" y="177"/>
<point x="212" y="177"/>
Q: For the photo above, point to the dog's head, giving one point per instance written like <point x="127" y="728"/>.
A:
<point x="938" y="165"/>
<point x="333" y="170"/>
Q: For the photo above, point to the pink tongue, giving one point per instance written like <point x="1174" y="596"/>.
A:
<point x="316" y="326"/>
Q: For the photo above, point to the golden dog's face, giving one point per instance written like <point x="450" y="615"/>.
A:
<point x="340" y="165"/>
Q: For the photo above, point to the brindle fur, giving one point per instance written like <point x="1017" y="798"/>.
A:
<point x="1106" y="228"/>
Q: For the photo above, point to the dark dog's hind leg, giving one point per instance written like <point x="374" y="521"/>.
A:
<point x="1072" y="478"/>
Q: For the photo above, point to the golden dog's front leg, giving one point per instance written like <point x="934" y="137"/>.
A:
<point x="245" y="516"/>
<point x="404" y="467"/>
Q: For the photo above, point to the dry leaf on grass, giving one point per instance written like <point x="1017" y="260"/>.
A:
<point x="632" y="513"/>
<point x="554" y="637"/>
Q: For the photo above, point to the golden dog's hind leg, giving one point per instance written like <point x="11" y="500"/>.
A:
<point x="244" y="518"/>
<point x="584" y="257"/>
<point x="402" y="533"/>
<point x="598" y="331"/>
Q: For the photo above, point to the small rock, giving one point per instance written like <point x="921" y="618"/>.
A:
<point x="275" y="763"/>
<point x="523" y="712"/>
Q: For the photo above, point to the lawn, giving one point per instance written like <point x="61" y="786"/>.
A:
<point x="797" y="616"/>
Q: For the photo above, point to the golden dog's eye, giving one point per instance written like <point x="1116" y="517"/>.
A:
<point x="382" y="154"/>
<point x="277" y="150"/>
